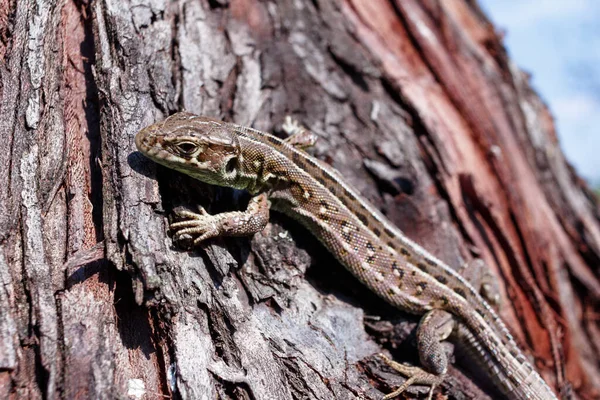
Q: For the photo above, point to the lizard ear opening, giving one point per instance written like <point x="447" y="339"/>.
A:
<point x="231" y="164"/>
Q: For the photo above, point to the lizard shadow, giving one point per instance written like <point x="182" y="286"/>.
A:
<point x="142" y="165"/>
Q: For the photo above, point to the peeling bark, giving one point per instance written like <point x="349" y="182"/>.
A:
<point x="416" y="104"/>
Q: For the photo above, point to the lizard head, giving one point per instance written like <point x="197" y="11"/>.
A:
<point x="197" y="146"/>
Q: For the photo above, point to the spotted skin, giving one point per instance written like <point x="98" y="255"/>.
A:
<point x="282" y="177"/>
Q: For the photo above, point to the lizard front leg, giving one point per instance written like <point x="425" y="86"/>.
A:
<point x="202" y="225"/>
<point x="299" y="136"/>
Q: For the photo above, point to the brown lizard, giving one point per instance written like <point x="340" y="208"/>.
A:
<point x="280" y="175"/>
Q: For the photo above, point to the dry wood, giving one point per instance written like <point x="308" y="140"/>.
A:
<point x="416" y="103"/>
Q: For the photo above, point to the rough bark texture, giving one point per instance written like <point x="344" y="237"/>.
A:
<point x="415" y="103"/>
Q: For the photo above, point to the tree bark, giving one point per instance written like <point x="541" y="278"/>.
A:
<point x="416" y="104"/>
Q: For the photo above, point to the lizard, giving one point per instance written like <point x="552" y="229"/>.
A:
<point x="280" y="175"/>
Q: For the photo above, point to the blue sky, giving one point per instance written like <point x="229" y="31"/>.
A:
<point x="558" y="43"/>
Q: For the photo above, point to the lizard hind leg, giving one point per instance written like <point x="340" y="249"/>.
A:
<point x="415" y="376"/>
<point x="482" y="278"/>
<point x="299" y="136"/>
<point x="435" y="327"/>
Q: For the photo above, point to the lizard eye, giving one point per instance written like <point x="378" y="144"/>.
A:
<point x="186" y="147"/>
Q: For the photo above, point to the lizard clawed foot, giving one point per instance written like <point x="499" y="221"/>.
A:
<point x="195" y="226"/>
<point x="415" y="376"/>
<point x="291" y="126"/>
<point x="299" y="136"/>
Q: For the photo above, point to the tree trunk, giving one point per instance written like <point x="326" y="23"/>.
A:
<point x="416" y="104"/>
